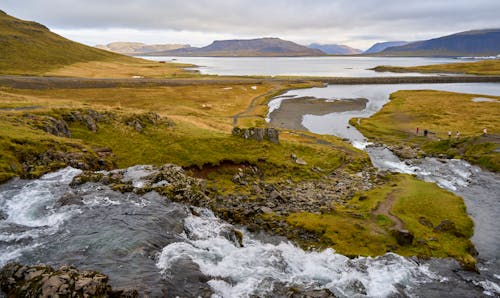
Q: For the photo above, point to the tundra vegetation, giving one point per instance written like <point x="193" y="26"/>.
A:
<point x="314" y="189"/>
<point x="440" y="112"/>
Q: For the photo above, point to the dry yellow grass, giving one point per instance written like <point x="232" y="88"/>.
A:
<point x="124" y="68"/>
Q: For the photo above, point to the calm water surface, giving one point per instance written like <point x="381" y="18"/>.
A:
<point x="303" y="66"/>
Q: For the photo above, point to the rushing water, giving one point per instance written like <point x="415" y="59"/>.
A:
<point x="161" y="248"/>
<point x="479" y="189"/>
<point x="303" y="66"/>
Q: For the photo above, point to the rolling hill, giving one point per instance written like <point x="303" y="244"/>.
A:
<point x="272" y="47"/>
<point x="380" y="46"/>
<point x="31" y="48"/>
<point x="335" y="49"/>
<point x="137" y="48"/>
<point x="470" y="43"/>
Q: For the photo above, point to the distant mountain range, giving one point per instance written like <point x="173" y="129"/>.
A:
<point x="137" y="48"/>
<point x="272" y="47"/>
<point x="335" y="49"/>
<point x="380" y="46"/>
<point x="469" y="43"/>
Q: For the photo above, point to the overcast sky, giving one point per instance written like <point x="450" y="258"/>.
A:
<point x="357" y="23"/>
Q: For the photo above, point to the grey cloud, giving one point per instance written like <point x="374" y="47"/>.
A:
<point x="377" y="18"/>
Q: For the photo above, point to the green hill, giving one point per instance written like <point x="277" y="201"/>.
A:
<point x="29" y="48"/>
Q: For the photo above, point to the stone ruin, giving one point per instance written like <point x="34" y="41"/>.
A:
<point x="257" y="133"/>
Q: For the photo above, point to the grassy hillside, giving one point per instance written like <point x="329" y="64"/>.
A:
<point x="486" y="67"/>
<point x="439" y="112"/>
<point x="29" y="48"/>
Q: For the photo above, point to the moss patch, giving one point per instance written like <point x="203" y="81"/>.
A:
<point x="439" y="112"/>
<point x="354" y="229"/>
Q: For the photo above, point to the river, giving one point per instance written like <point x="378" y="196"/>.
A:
<point x="167" y="249"/>
<point x="479" y="189"/>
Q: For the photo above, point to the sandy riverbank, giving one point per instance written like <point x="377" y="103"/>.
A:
<point x="291" y="111"/>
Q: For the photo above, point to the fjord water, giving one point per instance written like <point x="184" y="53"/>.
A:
<point x="303" y="66"/>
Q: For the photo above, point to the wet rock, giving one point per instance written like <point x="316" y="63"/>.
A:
<point x="258" y="134"/>
<point x="187" y="280"/>
<point x="301" y="293"/>
<point x="3" y="215"/>
<point x="69" y="199"/>
<point x="17" y="280"/>
<point x="403" y="237"/>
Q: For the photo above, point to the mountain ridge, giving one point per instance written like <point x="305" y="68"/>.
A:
<point x="258" y="47"/>
<point x="485" y="42"/>
<point x="335" y="49"/>
<point x="380" y="46"/>
<point x="138" y="48"/>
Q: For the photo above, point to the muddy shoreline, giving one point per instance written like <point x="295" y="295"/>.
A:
<point x="32" y="82"/>
<point x="290" y="113"/>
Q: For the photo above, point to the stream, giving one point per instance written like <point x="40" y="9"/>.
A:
<point x="161" y="248"/>
<point x="479" y="189"/>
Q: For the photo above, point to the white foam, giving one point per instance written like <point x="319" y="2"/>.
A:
<point x="31" y="206"/>
<point x="244" y="271"/>
<point x="490" y="288"/>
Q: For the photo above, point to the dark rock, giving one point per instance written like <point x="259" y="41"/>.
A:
<point x="424" y="221"/>
<point x="17" y="280"/>
<point x="403" y="237"/>
<point x="69" y="199"/>
<point x="301" y="293"/>
<point x="446" y="226"/>
<point x="57" y="127"/>
<point x="258" y="134"/>
<point x="275" y="195"/>
<point x="3" y="215"/>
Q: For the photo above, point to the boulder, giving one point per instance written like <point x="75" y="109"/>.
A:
<point x="403" y="237"/>
<point x="69" y="198"/>
<point x="17" y="280"/>
<point x="257" y="133"/>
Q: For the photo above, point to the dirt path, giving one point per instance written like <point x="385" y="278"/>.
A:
<point x="252" y="105"/>
<point x="384" y="208"/>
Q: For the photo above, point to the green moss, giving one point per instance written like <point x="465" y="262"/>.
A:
<point x="439" y="112"/>
<point x="355" y="228"/>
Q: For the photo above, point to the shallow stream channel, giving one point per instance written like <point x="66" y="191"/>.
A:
<point x="166" y="249"/>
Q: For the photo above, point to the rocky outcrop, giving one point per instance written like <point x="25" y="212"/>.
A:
<point x="88" y="117"/>
<point x="255" y="203"/>
<point x="257" y="133"/>
<point x="17" y="280"/>
<point x="403" y="237"/>
<point x="140" y="121"/>
<point x="35" y="163"/>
